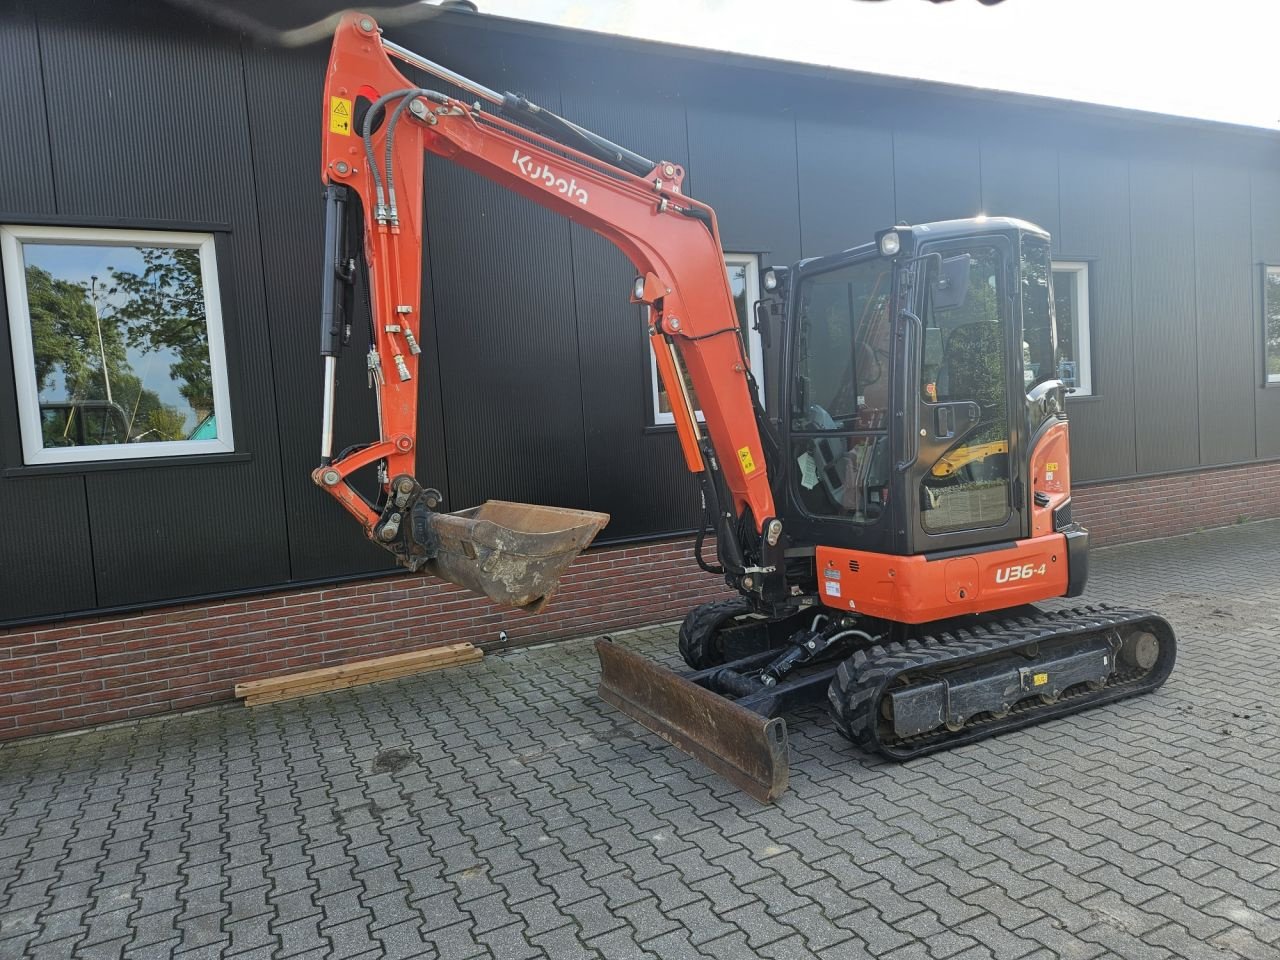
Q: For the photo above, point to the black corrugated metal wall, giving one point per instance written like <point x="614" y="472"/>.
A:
<point x="539" y="386"/>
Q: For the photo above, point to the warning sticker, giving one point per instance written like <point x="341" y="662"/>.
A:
<point x="747" y="461"/>
<point x="832" y="588"/>
<point x="340" y="116"/>
<point x="1040" y="679"/>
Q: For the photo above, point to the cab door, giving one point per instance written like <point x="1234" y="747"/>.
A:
<point x="962" y="440"/>
<point x="839" y="465"/>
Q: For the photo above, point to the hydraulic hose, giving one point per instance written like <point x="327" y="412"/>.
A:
<point x="366" y="134"/>
<point x="391" y="140"/>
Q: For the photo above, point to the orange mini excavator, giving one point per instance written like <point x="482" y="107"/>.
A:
<point x="886" y="537"/>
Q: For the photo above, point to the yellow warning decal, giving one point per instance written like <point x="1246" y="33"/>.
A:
<point x="340" y="116"/>
<point x="747" y="461"/>
<point x="1051" y="467"/>
<point x="1040" y="679"/>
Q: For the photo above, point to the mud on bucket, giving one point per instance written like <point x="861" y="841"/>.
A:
<point x="513" y="553"/>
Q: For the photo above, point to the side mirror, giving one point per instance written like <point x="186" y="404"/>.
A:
<point x="951" y="285"/>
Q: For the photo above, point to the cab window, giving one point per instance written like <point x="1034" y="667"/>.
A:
<point x="840" y="390"/>
<point x="964" y="360"/>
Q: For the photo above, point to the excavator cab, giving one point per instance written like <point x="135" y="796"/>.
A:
<point x="907" y="411"/>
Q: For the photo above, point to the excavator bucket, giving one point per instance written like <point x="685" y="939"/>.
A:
<point x="513" y="553"/>
<point x="747" y="749"/>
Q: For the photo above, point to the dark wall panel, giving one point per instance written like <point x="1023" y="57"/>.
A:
<point x="1226" y="355"/>
<point x="46" y="566"/>
<point x="845" y="173"/>
<point x="1020" y="179"/>
<point x="45" y="563"/>
<point x="636" y="475"/>
<point x="27" y="186"/>
<point x="183" y="533"/>
<point x="323" y="539"/>
<point x="937" y="175"/>
<point x="179" y="96"/>
<point x="507" y="336"/>
<point x="743" y="163"/>
<point x="125" y="104"/>
<point x="1095" y="227"/>
<point x="1164" y="317"/>
<point x="1265" y="195"/>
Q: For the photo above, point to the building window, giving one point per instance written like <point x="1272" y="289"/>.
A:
<point x="744" y="280"/>
<point x="1071" y="310"/>
<point x="117" y="343"/>
<point x="1271" y="324"/>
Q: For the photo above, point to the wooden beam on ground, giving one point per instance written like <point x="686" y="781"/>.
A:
<point x="272" y="689"/>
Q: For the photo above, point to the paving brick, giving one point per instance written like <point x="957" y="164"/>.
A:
<point x="533" y="821"/>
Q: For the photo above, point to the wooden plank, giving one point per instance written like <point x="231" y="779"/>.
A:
<point x="343" y="683"/>
<point x="368" y="670"/>
<point x="422" y="658"/>
<point x="375" y="673"/>
<point x="353" y="680"/>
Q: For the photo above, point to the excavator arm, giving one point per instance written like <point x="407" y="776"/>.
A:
<point x="378" y="124"/>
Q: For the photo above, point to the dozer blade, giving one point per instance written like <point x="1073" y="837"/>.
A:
<point x="747" y="749"/>
<point x="513" y="553"/>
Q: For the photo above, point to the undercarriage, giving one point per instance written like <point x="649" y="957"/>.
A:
<point x="896" y="691"/>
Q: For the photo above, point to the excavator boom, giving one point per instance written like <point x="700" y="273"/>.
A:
<point x="378" y="126"/>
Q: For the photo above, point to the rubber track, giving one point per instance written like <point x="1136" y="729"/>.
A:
<point x="697" y="632"/>
<point x="860" y="682"/>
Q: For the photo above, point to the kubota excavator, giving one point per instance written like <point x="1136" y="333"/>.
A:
<point x="886" y="537"/>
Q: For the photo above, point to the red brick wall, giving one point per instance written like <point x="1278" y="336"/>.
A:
<point x="1147" y="508"/>
<point x="82" y="672"/>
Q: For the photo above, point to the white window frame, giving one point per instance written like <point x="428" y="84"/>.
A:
<point x="12" y="239"/>
<point x="1268" y="271"/>
<point x="755" y="347"/>
<point x="1079" y="269"/>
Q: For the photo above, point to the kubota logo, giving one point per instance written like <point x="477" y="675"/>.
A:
<point x="541" y="173"/>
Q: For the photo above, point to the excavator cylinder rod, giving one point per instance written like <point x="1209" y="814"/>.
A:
<point x="747" y="749"/>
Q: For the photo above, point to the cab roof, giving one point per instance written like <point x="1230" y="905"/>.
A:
<point x="938" y="230"/>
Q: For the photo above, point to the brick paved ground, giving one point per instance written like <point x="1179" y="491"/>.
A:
<point x="501" y="810"/>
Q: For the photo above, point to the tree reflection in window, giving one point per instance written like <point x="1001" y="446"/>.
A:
<point x="120" y="342"/>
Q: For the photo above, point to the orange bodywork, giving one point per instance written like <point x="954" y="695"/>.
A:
<point x="1050" y="476"/>
<point x="918" y="589"/>
<point x="647" y="218"/>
